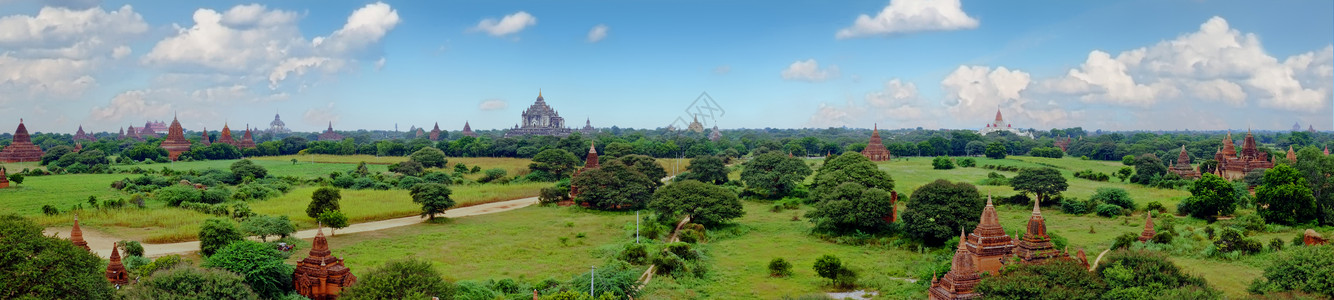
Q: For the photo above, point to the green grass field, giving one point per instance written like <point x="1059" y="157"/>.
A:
<point x="60" y="191"/>
<point x="275" y="167"/>
<point x="521" y="244"/>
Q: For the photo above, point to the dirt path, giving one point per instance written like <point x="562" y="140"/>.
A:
<point x="101" y="242"/>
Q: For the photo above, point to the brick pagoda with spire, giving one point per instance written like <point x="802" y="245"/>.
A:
<point x="247" y="141"/>
<point x="988" y="244"/>
<point x="1148" y="232"/>
<point x="1292" y="155"/>
<point x="1183" y="168"/>
<point x="1036" y="245"/>
<point x="467" y="130"/>
<point x="961" y="279"/>
<point x="116" y="273"/>
<point x="76" y="235"/>
<point x="175" y="144"/>
<point x="21" y="149"/>
<point x="83" y="136"/>
<point x="321" y="276"/>
<point x="435" y="133"/>
<point x="1234" y="166"/>
<point x="4" y="178"/>
<point x="590" y="162"/>
<point x="330" y="135"/>
<point x="225" y="136"/>
<point x="204" y="139"/>
<point x="875" y="150"/>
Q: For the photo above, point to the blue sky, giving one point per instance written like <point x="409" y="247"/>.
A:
<point x="906" y="63"/>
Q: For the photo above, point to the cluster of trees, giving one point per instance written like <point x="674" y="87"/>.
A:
<point x="1120" y="275"/>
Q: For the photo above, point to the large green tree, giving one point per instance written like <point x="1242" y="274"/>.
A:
<point x="1318" y="169"/>
<point x="260" y="264"/>
<point x="265" y="226"/>
<point x="614" y="186"/>
<point x="708" y="168"/>
<point x="1284" y="197"/>
<point x="325" y="198"/>
<point x="845" y="168"/>
<point x="1147" y="167"/>
<point x="1303" y="269"/>
<point x="189" y="282"/>
<point x="1211" y="196"/>
<point x="706" y="204"/>
<point x="1057" y="279"/>
<point x="557" y="162"/>
<point x="429" y="157"/>
<point x="433" y="197"/>
<point x="1044" y="182"/>
<point x="217" y="233"/>
<point x="247" y="169"/>
<point x="645" y="165"/>
<point x="405" y="279"/>
<point x="995" y="150"/>
<point x="773" y="174"/>
<point x="851" y="207"/>
<point x="936" y="211"/>
<point x="36" y="266"/>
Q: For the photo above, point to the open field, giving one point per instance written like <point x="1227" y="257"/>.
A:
<point x="60" y="191"/>
<point x="16" y="167"/>
<point x="521" y="244"/>
<point x="275" y="167"/>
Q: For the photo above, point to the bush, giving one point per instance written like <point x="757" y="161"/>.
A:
<point x="827" y="266"/>
<point x="1092" y="175"/>
<point x="1155" y="206"/>
<point x="1075" y="207"/>
<point x="132" y="248"/>
<point x="1051" y="152"/>
<point x="942" y="163"/>
<point x="1234" y="240"/>
<point x="492" y="175"/>
<point x="217" y="233"/>
<point x="1108" y="210"/>
<point x="50" y="210"/>
<point x="551" y="195"/>
<point x="635" y="254"/>
<point x="408" y="279"/>
<point x="323" y="199"/>
<point x="780" y="268"/>
<point x="846" y="278"/>
<point x="967" y="162"/>
<point x="1114" y="196"/>
<point x="1125" y="240"/>
<point x="668" y="262"/>
<point x="1302" y="269"/>
<point x="995" y="179"/>
<point x="1276" y="244"/>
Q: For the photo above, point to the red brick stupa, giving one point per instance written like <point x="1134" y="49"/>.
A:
<point x="76" y="235"/>
<point x="4" y="178"/>
<point x="875" y="150"/>
<point x="321" y="276"/>
<point x="1183" y="168"/>
<point x="435" y="133"/>
<point x="1234" y="166"/>
<point x="330" y="135"/>
<point x="590" y="162"/>
<point x="116" y="273"/>
<point x="962" y="278"/>
<point x="467" y="130"/>
<point x="21" y="149"/>
<point x="1292" y="156"/>
<point x="175" y="144"/>
<point x="226" y="136"/>
<point x="1036" y="246"/>
<point x="247" y="141"/>
<point x="204" y="140"/>
<point x="988" y="244"/>
<point x="1148" y="228"/>
<point x="83" y="136"/>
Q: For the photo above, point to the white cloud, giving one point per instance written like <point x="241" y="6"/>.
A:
<point x="492" y="104"/>
<point x="896" y="93"/>
<point x="510" y="24"/>
<point x="321" y="115"/>
<point x="133" y="104"/>
<point x="907" y="16"/>
<point x="597" y="33"/>
<point x="897" y="104"/>
<point x="809" y="70"/>
<point x="57" y="53"/>
<point x="379" y="64"/>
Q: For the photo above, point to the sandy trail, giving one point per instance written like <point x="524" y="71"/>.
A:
<point x="101" y="242"/>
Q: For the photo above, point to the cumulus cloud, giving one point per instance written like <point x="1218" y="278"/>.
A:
<point x="597" y="33"/>
<point x="379" y="64"/>
<point x="132" y="104"/>
<point x="510" y="24"/>
<point x="907" y="16"/>
<point x="57" y="53"/>
<point x="492" y="104"/>
<point x="896" y="104"/>
<point x="809" y="70"/>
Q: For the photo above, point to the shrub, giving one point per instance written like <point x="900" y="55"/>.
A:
<point x="323" y="199"/>
<point x="1125" y="240"/>
<point x="635" y="254"/>
<point x="1091" y="175"/>
<point x="1114" y="196"/>
<point x="780" y="268"/>
<point x="217" y="233"/>
<point x="668" y="262"/>
<point x="408" y="279"/>
<point x="1233" y="240"/>
<point x="1108" y="210"/>
<point x="550" y="195"/>
<point x="827" y="266"/>
<point x="942" y="163"/>
<point x="681" y="250"/>
<point x="1155" y="206"/>
<point x="846" y="278"/>
<point x="1276" y="244"/>
<point x="1075" y="207"/>
<point x="492" y="175"/>
<point x="132" y="248"/>
<point x="967" y="162"/>
<point x="995" y="179"/>
<point x="1051" y="152"/>
<point x="1304" y="269"/>
<point x="50" y="210"/>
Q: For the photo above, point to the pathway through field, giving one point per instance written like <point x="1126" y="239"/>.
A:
<point x="101" y="242"/>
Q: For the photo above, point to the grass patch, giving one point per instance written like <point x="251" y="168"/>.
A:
<point x="304" y="169"/>
<point x="60" y="191"/>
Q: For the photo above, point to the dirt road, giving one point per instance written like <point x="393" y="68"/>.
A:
<point x="101" y="242"/>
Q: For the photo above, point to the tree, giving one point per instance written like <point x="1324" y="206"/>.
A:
<point x="1128" y="160"/>
<point x="334" y="219"/>
<point x="1044" y="182"/>
<point x="1114" y="196"/>
<point x="942" y="163"/>
<point x="433" y="197"/>
<point x="557" y="162"/>
<point x="404" y="279"/>
<point x="37" y="266"/>
<point x="1056" y="279"/>
<point x="259" y="264"/>
<point x="827" y="266"/>
<point x="189" y="282"/>
<point x="265" y="226"/>
<point x="848" y="167"/>
<point x="614" y="186"/>
<point x="852" y="207"/>
<point x="325" y="198"/>
<point x="176" y="194"/>
<point x="780" y="268"/>
<point x="937" y="210"/>
<point x="410" y="168"/>
<point x="247" y="169"/>
<point x="706" y="204"/>
<point x="1210" y="196"/>
<point x="217" y="233"/>
<point x="1284" y="197"/>
<point x="1318" y="169"/>
<point x="429" y="157"/>
<point x="1149" y="273"/>
<point x="16" y="178"/>
<point x="995" y="150"/>
<point x="773" y="175"/>
<point x="131" y="248"/>
<point x="974" y="148"/>
<point x="1124" y="173"/>
<point x="1302" y="269"/>
<point x="645" y="165"/>
<point x="1148" y="166"/>
<point x="708" y="169"/>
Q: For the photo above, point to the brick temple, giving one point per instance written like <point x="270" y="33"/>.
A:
<point x="540" y="119"/>
<point x="321" y="276"/>
<point x="1183" y="168"/>
<point x="590" y="162"/>
<point x="435" y="133"/>
<point x="1036" y="245"/>
<point x="225" y="137"/>
<point x="961" y="279"/>
<point x="875" y="149"/>
<point x="330" y="135"/>
<point x="247" y="141"/>
<point x="988" y="243"/>
<point x="1233" y="166"/>
<point x="1148" y="232"/>
<point x="175" y="144"/>
<point x="204" y="139"/>
<point x="4" y="178"/>
<point x="83" y="136"/>
<point x="116" y="273"/>
<point x="76" y="235"/>
<point x="21" y="148"/>
<point x="467" y="130"/>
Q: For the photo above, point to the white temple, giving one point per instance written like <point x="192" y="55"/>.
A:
<point x="1001" y="125"/>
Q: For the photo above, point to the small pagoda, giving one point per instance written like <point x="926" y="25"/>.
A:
<point x="175" y="144"/>
<point x="1183" y="168"/>
<point x="1148" y="232"/>
<point x="435" y="133"/>
<point x="875" y="150"/>
<point x="467" y="130"/>
<point x="1036" y="245"/>
<point x="321" y="276"/>
<point x="116" y="273"/>
<point x="226" y="136"/>
<point x="21" y="149"/>
<point x="988" y="244"/>
<point x="1292" y="155"/>
<point x="716" y="134"/>
<point x="4" y="178"/>
<point x="590" y="162"/>
<point x="961" y="279"/>
<point x="330" y="135"/>
<point x="76" y="235"/>
<point x="83" y="136"/>
<point x="204" y="139"/>
<point x="247" y="141"/>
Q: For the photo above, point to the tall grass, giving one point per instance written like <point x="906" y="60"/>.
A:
<point x="60" y="191"/>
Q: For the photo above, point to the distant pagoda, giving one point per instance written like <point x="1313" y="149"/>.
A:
<point x="150" y="131"/>
<point x="321" y="276"/>
<point x="21" y="149"/>
<point x="1148" y="232"/>
<point x="467" y="130"/>
<point x="540" y="119"/>
<point x="588" y="129"/>
<point x="83" y="136"/>
<point x="1292" y="155"/>
<point x="175" y="144"/>
<point x="875" y="150"/>
<point x="716" y="134"/>
<point x="590" y="162"/>
<point x="1183" y="168"/>
<point x="961" y="279"/>
<point x="330" y="135"/>
<point x="278" y="126"/>
<point x="1036" y="245"/>
<point x="435" y="132"/>
<point x="988" y="243"/>
<point x="226" y="136"/>
<point x="204" y="140"/>
<point x="247" y="141"/>
<point x="695" y="126"/>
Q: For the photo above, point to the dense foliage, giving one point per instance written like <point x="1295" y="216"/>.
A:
<point x="850" y="208"/>
<point x="849" y="167"/>
<point x="1058" y="279"/>
<point x="36" y="266"/>
<point x="706" y="168"/>
<point x="936" y="211"/>
<point x="188" y="282"/>
<point x="259" y="264"/>
<point x="217" y="233"/>
<point x="615" y="186"/>
<point x="1285" y="197"/>
<point x="404" y="279"/>
<point x="1302" y="269"/>
<point x="706" y="204"/>
<point x="1211" y="196"/>
<point x="773" y="175"/>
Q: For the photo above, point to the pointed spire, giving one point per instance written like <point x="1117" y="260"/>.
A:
<point x="1036" y="210"/>
<point x="76" y="235"/>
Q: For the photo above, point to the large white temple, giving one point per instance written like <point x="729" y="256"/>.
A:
<point x="1000" y="125"/>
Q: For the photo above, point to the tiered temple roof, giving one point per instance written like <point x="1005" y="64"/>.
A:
<point x="540" y="119"/>
<point x="695" y="126"/>
<point x="590" y="162"/>
<point x="155" y="127"/>
<point x="1182" y="167"/>
<point x="321" y="276"/>
<point x="278" y="126"/>
<point x="21" y="149"/>
<point x="988" y="243"/>
<point x="116" y="273"/>
<point x="1148" y="232"/>
<point x="1233" y="166"/>
<point x="435" y="133"/>
<point x="716" y="134"/>
<point x="76" y="235"/>
<point x="1036" y="245"/>
<point x="247" y="141"/>
<point x="875" y="149"/>
<point x="588" y="129"/>
<point x="204" y="140"/>
<point x="175" y="144"/>
<point x="83" y="136"/>
<point x="226" y="136"/>
<point x="467" y="130"/>
<point x="330" y="135"/>
<point x="961" y="279"/>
